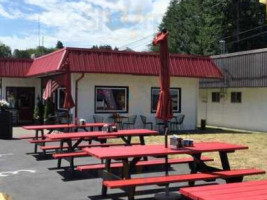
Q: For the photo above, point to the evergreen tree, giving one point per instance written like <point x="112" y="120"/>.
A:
<point x="197" y="26"/>
<point x="59" y="45"/>
<point x="21" y="54"/>
<point x="5" y="51"/>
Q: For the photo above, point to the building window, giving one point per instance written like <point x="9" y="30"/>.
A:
<point x="236" y="97"/>
<point x="176" y="99"/>
<point x="60" y="98"/>
<point x="215" y="97"/>
<point x="111" y="99"/>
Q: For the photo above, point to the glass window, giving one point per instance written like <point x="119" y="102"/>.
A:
<point x="176" y="99"/>
<point x="236" y="97"/>
<point x="111" y="99"/>
<point x="215" y="97"/>
<point x="60" y="98"/>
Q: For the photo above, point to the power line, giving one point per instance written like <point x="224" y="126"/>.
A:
<point x="136" y="41"/>
<point x="245" y="31"/>
<point x="141" y="45"/>
<point x="249" y="37"/>
<point x="143" y="42"/>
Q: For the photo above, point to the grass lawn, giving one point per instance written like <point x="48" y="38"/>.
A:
<point x="254" y="157"/>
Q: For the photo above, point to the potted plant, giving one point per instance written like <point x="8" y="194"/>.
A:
<point x="3" y="105"/>
<point x="5" y="120"/>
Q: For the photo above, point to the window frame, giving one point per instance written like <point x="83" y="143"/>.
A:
<point x="58" y="96"/>
<point x="126" y="88"/>
<point x="217" y="93"/>
<point x="172" y="88"/>
<point x="234" y="98"/>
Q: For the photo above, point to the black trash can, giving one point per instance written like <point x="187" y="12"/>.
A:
<point x="5" y="125"/>
<point x="203" y="124"/>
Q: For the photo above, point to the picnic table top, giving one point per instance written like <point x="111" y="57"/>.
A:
<point x="58" y="126"/>
<point x="256" y="190"/>
<point x="159" y="150"/>
<point x="119" y="133"/>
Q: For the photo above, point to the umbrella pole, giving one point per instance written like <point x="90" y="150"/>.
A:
<point x="167" y="195"/>
<point x="68" y="118"/>
<point x="166" y="130"/>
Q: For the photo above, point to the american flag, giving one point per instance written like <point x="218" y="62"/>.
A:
<point x="51" y="86"/>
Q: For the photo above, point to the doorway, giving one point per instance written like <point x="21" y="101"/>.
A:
<point x="21" y="100"/>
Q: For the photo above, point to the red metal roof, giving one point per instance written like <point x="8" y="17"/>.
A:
<point x="96" y="61"/>
<point x="117" y="62"/>
<point x="11" y="67"/>
<point x="49" y="63"/>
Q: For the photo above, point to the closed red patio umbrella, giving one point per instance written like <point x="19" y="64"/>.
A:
<point x="164" y="107"/>
<point x="68" y="101"/>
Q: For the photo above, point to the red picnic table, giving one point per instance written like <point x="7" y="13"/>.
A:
<point x="252" y="190"/>
<point x="53" y="127"/>
<point x="124" y="153"/>
<point x="125" y="135"/>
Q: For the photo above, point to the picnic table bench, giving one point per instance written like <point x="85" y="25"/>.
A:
<point x="41" y="139"/>
<point x="199" y="170"/>
<point x="125" y="135"/>
<point x="52" y="127"/>
<point x="256" y="190"/>
<point x="142" y="163"/>
<point x="71" y="155"/>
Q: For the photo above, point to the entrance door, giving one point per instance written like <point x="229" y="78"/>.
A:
<point x="22" y="101"/>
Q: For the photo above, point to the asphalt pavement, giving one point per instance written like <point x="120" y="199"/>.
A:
<point x="28" y="176"/>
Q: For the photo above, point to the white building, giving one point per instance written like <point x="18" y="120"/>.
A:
<point x="240" y="99"/>
<point x="104" y="82"/>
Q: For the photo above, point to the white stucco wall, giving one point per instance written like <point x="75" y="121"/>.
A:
<point x="251" y="114"/>
<point x="21" y="82"/>
<point x="139" y="95"/>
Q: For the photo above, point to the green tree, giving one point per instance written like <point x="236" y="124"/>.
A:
<point x="5" y="51"/>
<point x="197" y="26"/>
<point x="21" y="54"/>
<point x="59" y="45"/>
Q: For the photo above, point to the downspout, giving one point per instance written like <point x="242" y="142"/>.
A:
<point x="76" y="94"/>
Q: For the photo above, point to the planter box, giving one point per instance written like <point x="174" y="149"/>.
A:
<point x="5" y="125"/>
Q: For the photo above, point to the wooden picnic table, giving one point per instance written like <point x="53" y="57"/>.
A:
<point x="125" y="153"/>
<point x="125" y="135"/>
<point x="256" y="190"/>
<point x="52" y="127"/>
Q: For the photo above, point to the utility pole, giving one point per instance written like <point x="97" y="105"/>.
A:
<point x="222" y="46"/>
<point x="39" y="32"/>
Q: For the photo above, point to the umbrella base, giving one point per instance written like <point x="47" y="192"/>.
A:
<point x="167" y="196"/>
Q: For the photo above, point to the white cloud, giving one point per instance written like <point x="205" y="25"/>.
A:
<point x="12" y="14"/>
<point x="87" y="22"/>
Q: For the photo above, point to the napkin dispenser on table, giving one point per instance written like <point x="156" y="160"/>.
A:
<point x="176" y="142"/>
<point x="82" y="122"/>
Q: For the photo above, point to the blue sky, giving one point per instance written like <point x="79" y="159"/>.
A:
<point x="80" y="23"/>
